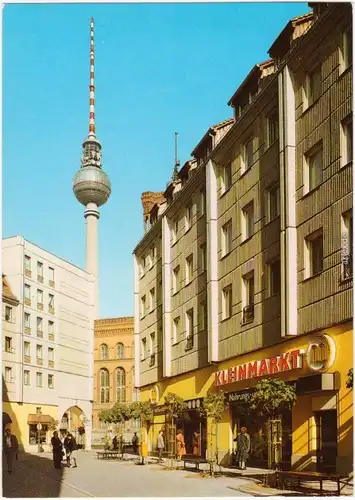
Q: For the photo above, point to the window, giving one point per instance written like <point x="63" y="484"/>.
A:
<point x="226" y="177"/>
<point x="313" y="169"/>
<point x="346" y="141"/>
<point x="27" y="263"/>
<point x="50" y="327"/>
<point x="175" y="231"/>
<point x="8" y="313"/>
<point x="248" y="297"/>
<point x="103" y="351"/>
<point x="272" y="128"/>
<point x="227" y="302"/>
<point x="189" y="329"/>
<point x="275" y="277"/>
<point x="313" y="86"/>
<point x="104" y="386"/>
<point x="27" y="321"/>
<point x="39" y="351"/>
<point x="51" y="303"/>
<point x="121" y="385"/>
<point x="120" y="350"/>
<point x="274" y="202"/>
<point x="27" y="349"/>
<point x="51" y="357"/>
<point x="8" y="344"/>
<point x="39" y="325"/>
<point x="26" y="377"/>
<point x="50" y="381"/>
<point x="202" y="201"/>
<point x="347" y="245"/>
<point x="248" y="154"/>
<point x="176" y="279"/>
<point x="188" y="218"/>
<point x="27" y="295"/>
<point x="36" y="436"/>
<point x="248" y="221"/>
<point x="202" y="316"/>
<point x="143" y="348"/>
<point x="143" y="306"/>
<point x="346" y="51"/>
<point x="8" y="374"/>
<point x="189" y="269"/>
<point x="176" y="330"/>
<point x="203" y="256"/>
<point x="39" y="379"/>
<point x="152" y="343"/>
<point x="152" y="300"/>
<point x="51" y="275"/>
<point x="153" y="252"/>
<point x="39" y="297"/>
<point x="40" y="272"/>
<point x="314" y="254"/>
<point x="227" y="238"/>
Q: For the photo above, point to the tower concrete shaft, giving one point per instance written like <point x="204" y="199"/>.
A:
<point x="92" y="187"/>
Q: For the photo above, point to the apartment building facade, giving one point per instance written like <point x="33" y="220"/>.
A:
<point x="113" y="370"/>
<point x="48" y="342"/>
<point x="252" y="270"/>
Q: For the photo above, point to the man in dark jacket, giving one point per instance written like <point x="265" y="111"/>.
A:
<point x="10" y="448"/>
<point x="71" y="449"/>
<point x="243" y="447"/>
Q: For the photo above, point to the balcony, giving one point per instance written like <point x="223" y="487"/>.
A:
<point x="152" y="360"/>
<point x="27" y="359"/>
<point x="40" y="334"/>
<point x="28" y="273"/>
<point x="347" y="264"/>
<point x="51" y="364"/>
<point x="51" y="310"/>
<point x="51" y="337"/>
<point x="27" y="302"/>
<point x="248" y="314"/>
<point x="39" y="278"/>
<point x="40" y="361"/>
<point x="189" y="343"/>
<point x="51" y="283"/>
<point x="28" y="330"/>
<point x="39" y="306"/>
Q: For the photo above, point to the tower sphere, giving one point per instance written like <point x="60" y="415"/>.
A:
<point x="91" y="185"/>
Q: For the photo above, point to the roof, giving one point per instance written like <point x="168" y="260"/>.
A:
<point x="288" y="29"/>
<point x="212" y="130"/>
<point x="7" y="294"/>
<point x="257" y="69"/>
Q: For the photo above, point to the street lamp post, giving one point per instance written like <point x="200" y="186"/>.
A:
<point x="39" y="427"/>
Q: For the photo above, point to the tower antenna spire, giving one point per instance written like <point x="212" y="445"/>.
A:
<point x="177" y="161"/>
<point x="92" y="129"/>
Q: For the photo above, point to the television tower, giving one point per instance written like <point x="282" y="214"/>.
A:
<point x="91" y="185"/>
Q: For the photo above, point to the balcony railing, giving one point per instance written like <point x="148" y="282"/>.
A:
<point x="40" y="306"/>
<point x="51" y="364"/>
<point x="40" y="334"/>
<point x="27" y="301"/>
<point x="248" y="313"/>
<point x="51" y="283"/>
<point x="28" y="330"/>
<point x="40" y="361"/>
<point x="27" y="359"/>
<point x="347" y="271"/>
<point x="51" y="336"/>
<point x="51" y="309"/>
<point x="28" y="273"/>
<point x="152" y="360"/>
<point x="39" y="278"/>
<point x="189" y="343"/>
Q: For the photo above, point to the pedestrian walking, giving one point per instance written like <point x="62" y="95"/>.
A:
<point x="115" y="443"/>
<point x="57" y="449"/>
<point x="180" y="444"/>
<point x="71" y="450"/>
<point x="10" y="449"/>
<point x="243" y="448"/>
<point x="135" y="442"/>
<point x="160" y="446"/>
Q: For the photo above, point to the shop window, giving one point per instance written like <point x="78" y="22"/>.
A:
<point x="37" y="436"/>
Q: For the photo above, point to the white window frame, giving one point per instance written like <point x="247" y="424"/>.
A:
<point x="308" y="257"/>
<point x="39" y="351"/>
<point x="8" y="374"/>
<point x="227" y="302"/>
<point x="50" y="301"/>
<point x="39" y="379"/>
<point x="39" y="323"/>
<point x="51" y="274"/>
<point x="246" y="280"/>
<point x="27" y="292"/>
<point x="26" y="377"/>
<point x="227" y="238"/>
<point x="40" y="269"/>
<point x="27" y="263"/>
<point x="27" y="348"/>
<point x="202" y="201"/>
<point x="27" y="320"/>
<point x="309" y="163"/>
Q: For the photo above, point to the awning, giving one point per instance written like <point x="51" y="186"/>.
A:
<point x="6" y="419"/>
<point x="40" y="419"/>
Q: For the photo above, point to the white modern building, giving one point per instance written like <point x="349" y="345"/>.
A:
<point x="48" y="336"/>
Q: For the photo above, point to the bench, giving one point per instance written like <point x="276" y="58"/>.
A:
<point x="106" y="455"/>
<point x="310" y="476"/>
<point x="194" y="460"/>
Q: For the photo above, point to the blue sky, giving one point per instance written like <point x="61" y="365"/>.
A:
<point x="160" y="68"/>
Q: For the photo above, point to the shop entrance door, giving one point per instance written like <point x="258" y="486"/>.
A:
<point x="327" y="433"/>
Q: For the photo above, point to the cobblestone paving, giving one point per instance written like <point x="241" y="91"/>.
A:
<point x="35" y="476"/>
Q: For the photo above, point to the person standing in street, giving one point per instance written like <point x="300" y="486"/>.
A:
<point x="135" y="443"/>
<point x="72" y="448"/>
<point x="57" y="448"/>
<point x="160" y="445"/>
<point x="180" y="444"/>
<point x="243" y="448"/>
<point x="10" y="449"/>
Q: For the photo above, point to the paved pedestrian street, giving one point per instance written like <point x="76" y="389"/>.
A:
<point x="35" y="476"/>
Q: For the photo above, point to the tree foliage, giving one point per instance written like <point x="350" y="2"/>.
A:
<point x="213" y="406"/>
<point x="350" y="380"/>
<point x="141" y="409"/>
<point x="176" y="406"/>
<point x="121" y="412"/>
<point x="272" y="396"/>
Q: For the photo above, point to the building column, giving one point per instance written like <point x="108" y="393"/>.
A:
<point x="287" y="141"/>
<point x="137" y="345"/>
<point x="88" y="434"/>
<point x="92" y="216"/>
<point x="166" y="296"/>
<point x="212" y="260"/>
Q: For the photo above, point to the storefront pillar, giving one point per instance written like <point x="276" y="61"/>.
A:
<point x="303" y="428"/>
